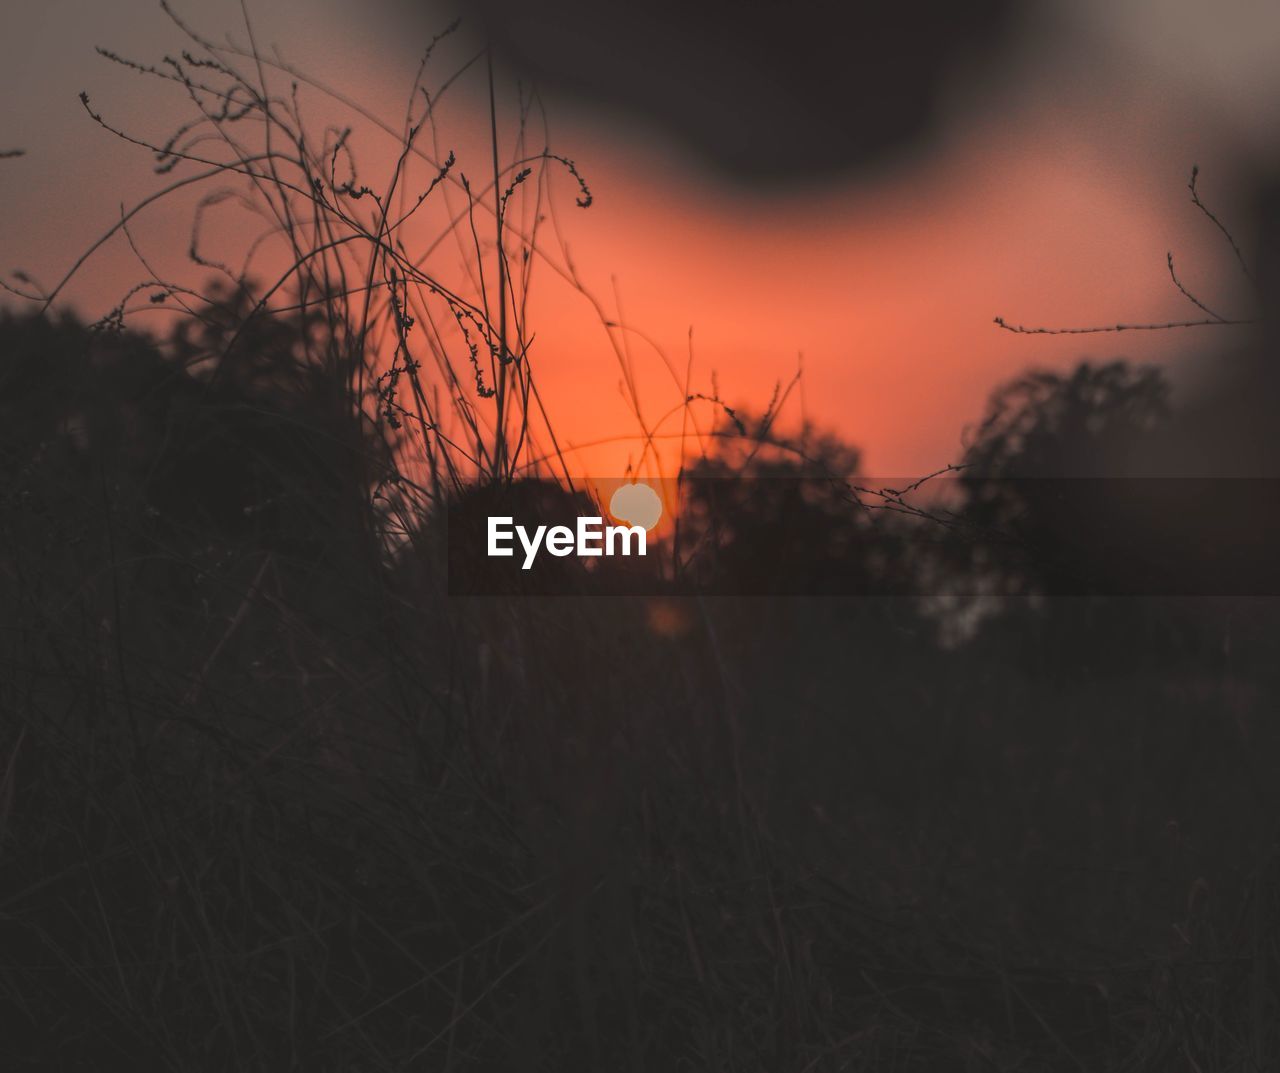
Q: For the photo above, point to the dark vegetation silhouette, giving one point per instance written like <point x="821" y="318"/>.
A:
<point x="272" y="799"/>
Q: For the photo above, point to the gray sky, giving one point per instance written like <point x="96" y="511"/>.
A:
<point x="1185" y="70"/>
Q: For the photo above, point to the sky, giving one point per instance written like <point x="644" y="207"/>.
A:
<point x="1049" y="195"/>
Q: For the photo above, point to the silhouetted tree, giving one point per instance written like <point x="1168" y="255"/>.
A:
<point x="157" y="487"/>
<point x="763" y="513"/>
<point x="1038" y="465"/>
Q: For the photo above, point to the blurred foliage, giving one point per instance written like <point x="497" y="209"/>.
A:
<point x="271" y="800"/>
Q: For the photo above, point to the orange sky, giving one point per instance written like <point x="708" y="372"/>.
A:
<point x="1056" y="207"/>
<point x="887" y="285"/>
<point x="888" y="291"/>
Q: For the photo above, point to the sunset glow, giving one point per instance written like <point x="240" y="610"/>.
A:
<point x="879" y="292"/>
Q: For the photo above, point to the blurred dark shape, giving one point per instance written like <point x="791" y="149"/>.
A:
<point x="184" y="465"/>
<point x="1086" y="423"/>
<point x="1266" y="216"/>
<point x="249" y="753"/>
<point x="763" y="514"/>
<point x="1040" y="479"/>
<point x="1035" y="467"/>
<point x="1052" y="488"/>
<point x="764" y="91"/>
<point x="1226" y="424"/>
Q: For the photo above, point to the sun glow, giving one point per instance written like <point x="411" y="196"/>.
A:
<point x="636" y="503"/>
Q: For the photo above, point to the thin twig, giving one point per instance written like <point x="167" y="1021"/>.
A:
<point x="1022" y="329"/>
<point x="1195" y="200"/>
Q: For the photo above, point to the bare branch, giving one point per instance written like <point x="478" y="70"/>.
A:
<point x="1173" y="275"/>
<point x="1195" y="200"/>
<point x="1022" y="329"/>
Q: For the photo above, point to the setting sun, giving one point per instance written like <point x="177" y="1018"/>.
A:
<point x="637" y="504"/>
